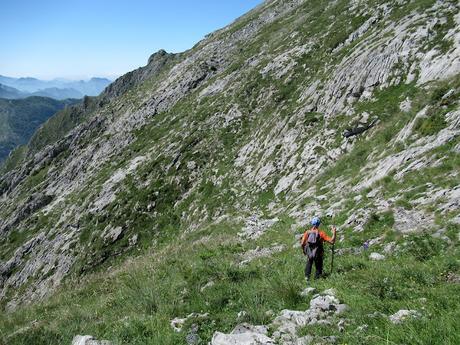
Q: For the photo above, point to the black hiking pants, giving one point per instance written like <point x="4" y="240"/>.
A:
<point x="318" y="260"/>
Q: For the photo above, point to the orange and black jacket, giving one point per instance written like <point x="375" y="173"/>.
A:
<point x="322" y="235"/>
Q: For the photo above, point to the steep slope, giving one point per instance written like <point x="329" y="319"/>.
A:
<point x="345" y="109"/>
<point x="20" y="118"/>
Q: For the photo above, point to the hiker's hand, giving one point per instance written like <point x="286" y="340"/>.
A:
<point x="334" y="229"/>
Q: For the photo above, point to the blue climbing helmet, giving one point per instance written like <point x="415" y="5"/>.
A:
<point x="315" y="221"/>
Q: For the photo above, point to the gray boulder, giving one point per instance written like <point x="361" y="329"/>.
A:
<point x="88" y="340"/>
<point x="243" y="334"/>
<point x="376" y="257"/>
<point x="402" y="315"/>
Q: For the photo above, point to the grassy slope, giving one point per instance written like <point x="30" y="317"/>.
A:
<point x="134" y="304"/>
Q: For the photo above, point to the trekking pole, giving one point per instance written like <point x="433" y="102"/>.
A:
<point x="332" y="257"/>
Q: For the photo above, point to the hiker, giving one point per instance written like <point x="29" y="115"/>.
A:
<point x="312" y="246"/>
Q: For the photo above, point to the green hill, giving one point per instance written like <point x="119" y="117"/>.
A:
<point x="20" y="118"/>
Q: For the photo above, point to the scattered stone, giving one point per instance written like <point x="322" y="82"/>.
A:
<point x="191" y="165"/>
<point x="350" y="250"/>
<point x="456" y="219"/>
<point x="112" y="234"/>
<point x="331" y="292"/>
<point x="440" y="234"/>
<point x="376" y="240"/>
<point x="405" y="105"/>
<point x="243" y="334"/>
<point x="207" y="285"/>
<point x="376" y="314"/>
<point x="241" y="314"/>
<point x="403" y="315"/>
<point x="192" y="337"/>
<point x="133" y="240"/>
<point x="362" y="328"/>
<point x="308" y="291"/>
<point x="411" y="220"/>
<point x="306" y="340"/>
<point x="151" y="206"/>
<point x="448" y="94"/>
<point x="341" y="308"/>
<point x="358" y="219"/>
<point x="376" y="257"/>
<point x="341" y="325"/>
<point x="88" y="340"/>
<point x="453" y="278"/>
<point x="324" y="303"/>
<point x="255" y="227"/>
<point x="373" y="193"/>
<point x="389" y="248"/>
<point x="328" y="340"/>
<point x="178" y="323"/>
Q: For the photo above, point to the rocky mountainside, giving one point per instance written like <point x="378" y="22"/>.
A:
<point x="182" y="189"/>
<point x="20" y="118"/>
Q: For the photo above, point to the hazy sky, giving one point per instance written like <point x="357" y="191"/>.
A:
<point x="83" y="38"/>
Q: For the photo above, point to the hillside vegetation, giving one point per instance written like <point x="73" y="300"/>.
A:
<point x="19" y="119"/>
<point x="168" y="210"/>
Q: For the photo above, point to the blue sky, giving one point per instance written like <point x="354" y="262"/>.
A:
<point x="83" y="38"/>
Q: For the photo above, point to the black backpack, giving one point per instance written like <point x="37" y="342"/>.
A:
<point x="312" y="245"/>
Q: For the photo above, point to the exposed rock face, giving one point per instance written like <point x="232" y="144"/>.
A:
<point x="251" y="117"/>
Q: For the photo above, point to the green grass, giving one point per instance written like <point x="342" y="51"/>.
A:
<point x="135" y="302"/>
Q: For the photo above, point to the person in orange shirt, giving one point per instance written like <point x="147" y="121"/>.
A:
<point x="312" y="246"/>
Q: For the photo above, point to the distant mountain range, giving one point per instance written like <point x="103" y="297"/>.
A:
<point x="26" y="103"/>
<point x="19" y="118"/>
<point x="13" y="88"/>
<point x="9" y="92"/>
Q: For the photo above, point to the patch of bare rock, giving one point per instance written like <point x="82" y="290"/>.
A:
<point x="88" y="340"/>
<point x="255" y="227"/>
